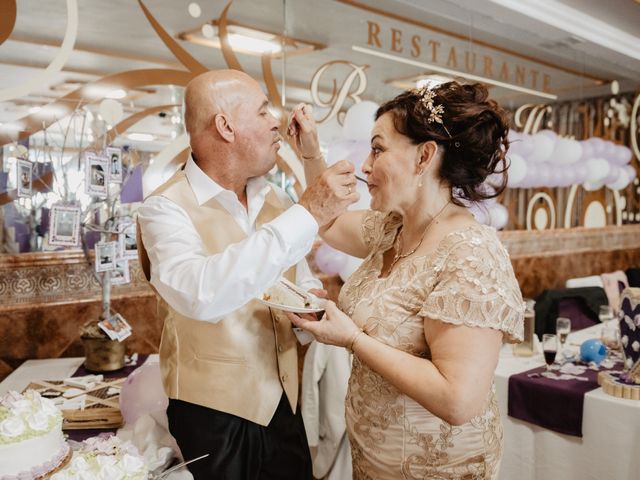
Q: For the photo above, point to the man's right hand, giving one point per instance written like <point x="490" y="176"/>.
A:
<point x="332" y="193"/>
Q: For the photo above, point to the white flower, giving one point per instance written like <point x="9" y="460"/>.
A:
<point x="110" y="472"/>
<point x="20" y="407"/>
<point x="48" y="407"/>
<point x="106" y="460"/>
<point x="12" y="427"/>
<point x="79" y="464"/>
<point x="38" y="421"/>
<point x="131" y="464"/>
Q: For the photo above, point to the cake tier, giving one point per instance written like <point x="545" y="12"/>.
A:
<point x="33" y="457"/>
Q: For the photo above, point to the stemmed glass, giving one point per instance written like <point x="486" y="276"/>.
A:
<point x="563" y="328"/>
<point x="550" y="348"/>
<point x="610" y="337"/>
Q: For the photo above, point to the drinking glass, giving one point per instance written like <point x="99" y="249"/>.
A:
<point x="550" y="348"/>
<point x="606" y="313"/>
<point x="563" y="328"/>
<point x="610" y="337"/>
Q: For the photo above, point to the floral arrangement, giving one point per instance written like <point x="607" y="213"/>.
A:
<point x="24" y="416"/>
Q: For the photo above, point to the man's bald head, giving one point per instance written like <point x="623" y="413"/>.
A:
<point x="211" y="93"/>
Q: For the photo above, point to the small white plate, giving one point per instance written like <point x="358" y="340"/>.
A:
<point x="289" y="308"/>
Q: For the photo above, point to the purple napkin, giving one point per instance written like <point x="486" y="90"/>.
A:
<point x="553" y="404"/>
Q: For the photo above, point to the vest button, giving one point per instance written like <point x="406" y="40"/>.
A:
<point x="284" y="377"/>
<point x="280" y="348"/>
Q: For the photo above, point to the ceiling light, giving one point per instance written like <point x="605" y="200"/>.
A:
<point x="116" y="94"/>
<point x="141" y="137"/>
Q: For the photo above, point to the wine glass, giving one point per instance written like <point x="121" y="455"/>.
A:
<point x="605" y="314"/>
<point x="550" y="348"/>
<point x="610" y="337"/>
<point x="563" y="328"/>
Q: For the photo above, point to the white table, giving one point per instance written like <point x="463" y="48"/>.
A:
<point x="608" y="449"/>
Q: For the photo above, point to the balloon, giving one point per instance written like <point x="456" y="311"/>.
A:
<point x="598" y="170"/>
<point x="351" y="266"/>
<point x="587" y="149"/>
<point x="592" y="186"/>
<point x="598" y="145"/>
<point x="359" y="121"/>
<point x="622" y="155"/>
<point x="498" y="215"/>
<point x="631" y="172"/>
<point x="358" y="154"/>
<point x="111" y="111"/>
<point x="543" y="175"/>
<point x="593" y="350"/>
<point x="339" y="151"/>
<point x="329" y="260"/>
<point x="581" y="172"/>
<point x="567" y="151"/>
<point x="142" y="393"/>
<point x="480" y="212"/>
<point x="621" y="182"/>
<point x="517" y="170"/>
<point x="612" y="176"/>
<point x="543" y="148"/>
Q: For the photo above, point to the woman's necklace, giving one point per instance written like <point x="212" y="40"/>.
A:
<point x="397" y="257"/>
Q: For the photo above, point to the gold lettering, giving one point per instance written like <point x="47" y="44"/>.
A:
<point x="374" y="30"/>
<point x="488" y="68"/>
<point x="519" y="74"/>
<point x="415" y="43"/>
<point x="504" y="72"/>
<point x="396" y="40"/>
<point x="546" y="83"/>
<point x="471" y="67"/>
<point x="534" y="78"/>
<point x="452" y="61"/>
<point x="434" y="50"/>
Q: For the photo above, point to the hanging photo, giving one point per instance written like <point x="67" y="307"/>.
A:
<point x="96" y="175"/>
<point x="117" y="328"/>
<point x="64" y="225"/>
<point x="24" y="181"/>
<point x="120" y="274"/>
<point x="106" y="253"/>
<point x="128" y="245"/>
<point x="115" y="164"/>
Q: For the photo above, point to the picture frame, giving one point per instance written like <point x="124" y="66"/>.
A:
<point x="114" y="155"/>
<point x="64" y="225"/>
<point x="24" y="180"/>
<point x="96" y="176"/>
<point x="106" y="255"/>
<point x="120" y="275"/>
<point x="128" y="242"/>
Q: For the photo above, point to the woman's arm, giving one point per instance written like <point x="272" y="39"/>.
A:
<point x="453" y="385"/>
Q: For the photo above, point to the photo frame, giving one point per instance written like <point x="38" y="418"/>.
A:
<point x="64" y="225"/>
<point x="114" y="155"/>
<point x="24" y="180"/>
<point x="120" y="274"/>
<point x="96" y="175"/>
<point x="128" y="243"/>
<point x="106" y="254"/>
<point x="116" y="327"/>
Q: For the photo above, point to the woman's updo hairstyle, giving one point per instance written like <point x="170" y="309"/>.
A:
<point x="472" y="129"/>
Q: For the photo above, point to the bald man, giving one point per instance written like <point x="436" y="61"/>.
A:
<point x="213" y="238"/>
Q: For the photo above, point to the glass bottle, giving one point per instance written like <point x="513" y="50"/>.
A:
<point x="526" y="348"/>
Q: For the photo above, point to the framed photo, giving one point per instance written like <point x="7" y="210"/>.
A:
<point x="106" y="253"/>
<point x="115" y="164"/>
<point x="128" y="244"/>
<point x="117" y="328"/>
<point x="96" y="175"/>
<point x="64" y="225"/>
<point x="120" y="274"/>
<point x="24" y="170"/>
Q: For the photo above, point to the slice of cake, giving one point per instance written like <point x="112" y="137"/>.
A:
<point x="283" y="294"/>
<point x="104" y="457"/>
<point x="31" y="440"/>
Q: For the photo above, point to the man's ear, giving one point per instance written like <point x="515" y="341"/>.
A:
<point x="427" y="152"/>
<point x="223" y="126"/>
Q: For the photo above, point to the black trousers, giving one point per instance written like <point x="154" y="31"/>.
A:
<point x="239" y="449"/>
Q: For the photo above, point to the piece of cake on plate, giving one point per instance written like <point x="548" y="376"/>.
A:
<point x="288" y="294"/>
<point x="31" y="440"/>
<point x="104" y="458"/>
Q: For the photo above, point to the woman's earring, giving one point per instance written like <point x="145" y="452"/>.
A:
<point x="420" y="182"/>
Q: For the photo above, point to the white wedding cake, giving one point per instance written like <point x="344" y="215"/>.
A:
<point x="31" y="440"/>
<point x="104" y="458"/>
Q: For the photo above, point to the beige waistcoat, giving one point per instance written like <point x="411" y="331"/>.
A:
<point x="242" y="363"/>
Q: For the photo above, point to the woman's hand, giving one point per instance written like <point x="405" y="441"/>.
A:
<point x="302" y="127"/>
<point x="335" y="327"/>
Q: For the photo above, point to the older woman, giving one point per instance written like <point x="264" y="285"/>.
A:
<point x="427" y="311"/>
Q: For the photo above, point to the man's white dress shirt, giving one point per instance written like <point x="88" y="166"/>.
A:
<point x="208" y="287"/>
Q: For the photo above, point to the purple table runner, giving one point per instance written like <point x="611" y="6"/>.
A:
<point x="83" y="434"/>
<point x="553" y="404"/>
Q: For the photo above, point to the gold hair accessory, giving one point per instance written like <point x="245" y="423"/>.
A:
<point x="427" y="98"/>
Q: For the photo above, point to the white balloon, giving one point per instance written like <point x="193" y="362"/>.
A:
<point x="498" y="215"/>
<point x="517" y="170"/>
<point x="543" y="146"/>
<point x="598" y="170"/>
<point x="592" y="186"/>
<point x="111" y="111"/>
<point x="351" y="266"/>
<point x="339" y="151"/>
<point x="567" y="151"/>
<point x="621" y="182"/>
<point x="359" y="120"/>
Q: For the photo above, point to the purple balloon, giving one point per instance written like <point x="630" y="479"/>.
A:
<point x="544" y="175"/>
<point x="612" y="176"/>
<point x="581" y="172"/>
<point x="142" y="393"/>
<point x="622" y="155"/>
<point x="329" y="260"/>
<point x="631" y="172"/>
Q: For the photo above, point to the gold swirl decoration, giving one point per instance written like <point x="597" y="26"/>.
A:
<point x="7" y="19"/>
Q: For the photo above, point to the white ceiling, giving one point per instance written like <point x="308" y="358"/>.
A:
<point x="115" y="36"/>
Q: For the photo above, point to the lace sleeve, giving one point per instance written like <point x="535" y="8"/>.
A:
<point x="476" y="286"/>
<point x="376" y="226"/>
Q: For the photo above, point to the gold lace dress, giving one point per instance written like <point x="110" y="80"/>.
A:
<point x="467" y="280"/>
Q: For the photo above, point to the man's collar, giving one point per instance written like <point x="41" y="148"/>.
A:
<point x="205" y="188"/>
